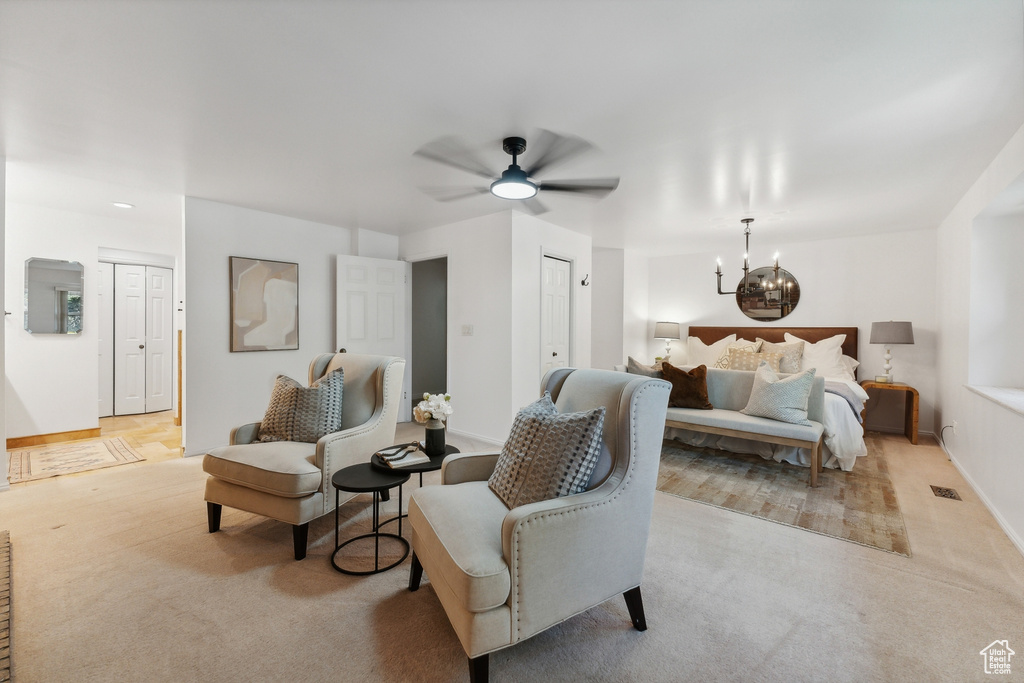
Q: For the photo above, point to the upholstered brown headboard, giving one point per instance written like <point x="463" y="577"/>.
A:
<point x="709" y="335"/>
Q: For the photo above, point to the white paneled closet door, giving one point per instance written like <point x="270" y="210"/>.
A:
<point x="159" y="338"/>
<point x="371" y="317"/>
<point x="556" y="305"/>
<point x="105" y="295"/>
<point x="129" y="339"/>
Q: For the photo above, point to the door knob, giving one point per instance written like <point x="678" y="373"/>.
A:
<point x="554" y="353"/>
<point x="142" y="346"/>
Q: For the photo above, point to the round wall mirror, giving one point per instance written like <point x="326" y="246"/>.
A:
<point x="769" y="294"/>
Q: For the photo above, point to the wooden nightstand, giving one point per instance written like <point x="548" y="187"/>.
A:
<point x="910" y="401"/>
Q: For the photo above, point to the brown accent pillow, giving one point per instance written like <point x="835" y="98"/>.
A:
<point x="689" y="389"/>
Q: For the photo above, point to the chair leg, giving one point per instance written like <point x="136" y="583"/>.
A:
<point x="478" y="669"/>
<point x="415" y="573"/>
<point x="213" y="516"/>
<point x="300" y="533"/>
<point x="635" y="605"/>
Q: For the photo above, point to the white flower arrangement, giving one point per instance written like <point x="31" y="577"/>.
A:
<point x="433" y="407"/>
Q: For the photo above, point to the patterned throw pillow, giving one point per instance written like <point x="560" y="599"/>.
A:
<point x="298" y="413"/>
<point x="740" y="344"/>
<point x="792" y="354"/>
<point x="689" y="389"/>
<point x="780" y="399"/>
<point x="745" y="360"/>
<point x="547" y="455"/>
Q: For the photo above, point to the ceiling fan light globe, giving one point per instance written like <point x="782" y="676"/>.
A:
<point x="513" y="189"/>
<point x="513" y="184"/>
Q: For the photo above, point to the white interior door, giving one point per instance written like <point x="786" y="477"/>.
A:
<point x="555" y="321"/>
<point x="371" y="317"/>
<point x="129" y="339"/>
<point x="159" y="342"/>
<point x="105" y="307"/>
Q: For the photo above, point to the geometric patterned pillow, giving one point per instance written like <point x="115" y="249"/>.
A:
<point x="740" y="345"/>
<point x="298" y="413"/>
<point x="547" y="455"/>
<point x="745" y="360"/>
<point x="780" y="399"/>
<point x="792" y="354"/>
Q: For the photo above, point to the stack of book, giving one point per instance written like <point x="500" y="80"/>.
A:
<point x="402" y="455"/>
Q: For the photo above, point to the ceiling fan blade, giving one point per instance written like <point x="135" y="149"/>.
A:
<point x="595" y="187"/>
<point x="450" y="151"/>
<point x="550" y="148"/>
<point x="533" y="206"/>
<point x="451" y="194"/>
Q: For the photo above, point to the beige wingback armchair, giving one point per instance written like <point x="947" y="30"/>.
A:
<point x="505" y="575"/>
<point x="290" y="481"/>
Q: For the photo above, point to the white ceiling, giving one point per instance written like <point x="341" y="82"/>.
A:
<point x="833" y="117"/>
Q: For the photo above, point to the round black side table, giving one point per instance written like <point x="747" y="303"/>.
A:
<point x="362" y="478"/>
<point x="432" y="466"/>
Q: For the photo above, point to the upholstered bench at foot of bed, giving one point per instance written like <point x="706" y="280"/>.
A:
<point x="734" y="423"/>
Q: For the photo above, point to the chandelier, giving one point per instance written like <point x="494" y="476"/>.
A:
<point x="768" y="292"/>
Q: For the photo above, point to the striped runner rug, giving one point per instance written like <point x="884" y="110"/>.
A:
<point x="67" y="458"/>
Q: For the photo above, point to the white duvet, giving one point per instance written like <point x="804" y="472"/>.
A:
<point x="844" y="437"/>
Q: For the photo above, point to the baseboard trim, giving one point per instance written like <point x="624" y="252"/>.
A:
<point x="475" y="436"/>
<point x="1007" y="529"/>
<point x="55" y="437"/>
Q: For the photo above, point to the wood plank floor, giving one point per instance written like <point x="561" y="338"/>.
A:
<point x="153" y="435"/>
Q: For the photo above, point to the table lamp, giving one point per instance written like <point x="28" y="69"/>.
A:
<point x="668" y="332"/>
<point x="889" y="333"/>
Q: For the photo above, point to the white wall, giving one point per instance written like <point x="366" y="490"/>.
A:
<point x="987" y="444"/>
<point x="843" y="282"/>
<point x="53" y="380"/>
<point x="494" y="286"/>
<point x="997" y="321"/>
<point x="608" y="293"/>
<point x="635" y="305"/>
<point x="224" y="389"/>
<point x="374" y="244"/>
<point x="5" y="458"/>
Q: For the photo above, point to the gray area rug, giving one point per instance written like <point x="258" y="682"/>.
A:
<point x="68" y="458"/>
<point x="859" y="506"/>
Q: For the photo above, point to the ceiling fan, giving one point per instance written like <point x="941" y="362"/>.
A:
<point x="516" y="183"/>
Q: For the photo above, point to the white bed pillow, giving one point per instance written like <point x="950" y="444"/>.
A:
<point x="825" y="356"/>
<point x="699" y="353"/>
<point x="851" y="366"/>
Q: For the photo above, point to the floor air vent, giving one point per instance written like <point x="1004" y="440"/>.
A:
<point x="943" y="492"/>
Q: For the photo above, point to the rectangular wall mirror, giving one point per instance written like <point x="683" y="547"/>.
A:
<point x="53" y="296"/>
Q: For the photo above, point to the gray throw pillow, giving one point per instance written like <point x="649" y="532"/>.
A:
<point x="792" y="354"/>
<point x="298" y="413"/>
<point x="780" y="399"/>
<point x="547" y="455"/>
<point x="635" y="367"/>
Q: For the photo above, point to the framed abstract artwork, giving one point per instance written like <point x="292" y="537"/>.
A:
<point x="264" y="304"/>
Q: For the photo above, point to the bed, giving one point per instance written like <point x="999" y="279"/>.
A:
<point x="844" y="404"/>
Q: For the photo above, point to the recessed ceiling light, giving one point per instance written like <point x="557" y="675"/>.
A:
<point x="123" y="205"/>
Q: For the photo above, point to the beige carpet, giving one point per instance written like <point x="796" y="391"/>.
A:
<point x="117" y="579"/>
<point x="858" y="506"/>
<point x="5" y="606"/>
<point x="68" y="458"/>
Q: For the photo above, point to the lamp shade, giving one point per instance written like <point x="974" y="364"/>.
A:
<point x="666" y="331"/>
<point x="892" y="332"/>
